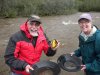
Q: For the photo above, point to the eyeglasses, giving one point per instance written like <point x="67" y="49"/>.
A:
<point x="34" y="23"/>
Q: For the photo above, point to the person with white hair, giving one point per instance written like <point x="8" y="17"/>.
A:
<point x="25" y="47"/>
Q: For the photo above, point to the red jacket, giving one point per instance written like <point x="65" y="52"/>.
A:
<point x="20" y="50"/>
<point x="28" y="52"/>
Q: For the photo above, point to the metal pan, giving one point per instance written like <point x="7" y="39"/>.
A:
<point x="45" y="68"/>
<point x="69" y="63"/>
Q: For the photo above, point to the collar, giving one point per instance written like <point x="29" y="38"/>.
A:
<point x="94" y="29"/>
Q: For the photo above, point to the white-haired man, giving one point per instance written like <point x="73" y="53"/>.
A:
<point x="25" y="47"/>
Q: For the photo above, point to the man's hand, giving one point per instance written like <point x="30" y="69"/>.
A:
<point x="27" y="68"/>
<point x="83" y="67"/>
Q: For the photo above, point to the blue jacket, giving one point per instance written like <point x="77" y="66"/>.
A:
<point x="90" y="52"/>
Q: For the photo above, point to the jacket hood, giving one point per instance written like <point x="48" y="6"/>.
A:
<point x="24" y="28"/>
<point x="93" y="31"/>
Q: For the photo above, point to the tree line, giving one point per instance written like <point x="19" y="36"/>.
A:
<point x="14" y="8"/>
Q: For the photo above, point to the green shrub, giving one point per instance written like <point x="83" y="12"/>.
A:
<point x="10" y="14"/>
<point x="41" y="7"/>
<point x="89" y="5"/>
<point x="13" y="8"/>
<point x="56" y="7"/>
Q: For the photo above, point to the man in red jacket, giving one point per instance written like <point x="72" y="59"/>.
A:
<point x="25" y="47"/>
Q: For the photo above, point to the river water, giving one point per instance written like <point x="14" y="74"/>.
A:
<point x="63" y="28"/>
